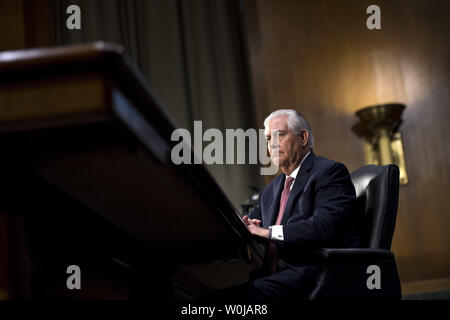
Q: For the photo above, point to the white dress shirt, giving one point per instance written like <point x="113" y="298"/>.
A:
<point x="277" y="230"/>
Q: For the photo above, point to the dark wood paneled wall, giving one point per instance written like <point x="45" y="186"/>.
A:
<point x="319" y="57"/>
<point x="25" y="24"/>
<point x="12" y="25"/>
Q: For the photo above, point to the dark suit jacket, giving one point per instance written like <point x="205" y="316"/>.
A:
<point x="320" y="213"/>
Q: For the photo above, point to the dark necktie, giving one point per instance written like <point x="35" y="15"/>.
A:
<point x="284" y="198"/>
<point x="272" y="256"/>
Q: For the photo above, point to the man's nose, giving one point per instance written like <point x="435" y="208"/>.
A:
<point x="274" y="146"/>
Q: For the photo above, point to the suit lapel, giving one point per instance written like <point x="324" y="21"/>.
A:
<point x="299" y="185"/>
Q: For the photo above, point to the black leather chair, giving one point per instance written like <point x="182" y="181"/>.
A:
<point x="352" y="274"/>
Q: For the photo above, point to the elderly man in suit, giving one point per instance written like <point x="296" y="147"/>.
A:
<point x="310" y="205"/>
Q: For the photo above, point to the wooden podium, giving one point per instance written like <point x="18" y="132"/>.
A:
<point x="86" y="179"/>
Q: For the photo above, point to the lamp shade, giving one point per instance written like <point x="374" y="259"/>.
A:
<point x="383" y="114"/>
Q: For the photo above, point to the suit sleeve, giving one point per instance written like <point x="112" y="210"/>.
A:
<point x="255" y="212"/>
<point x="334" y="196"/>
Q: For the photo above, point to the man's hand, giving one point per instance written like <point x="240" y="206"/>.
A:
<point x="258" y="231"/>
<point x="255" y="229"/>
<point x="249" y="221"/>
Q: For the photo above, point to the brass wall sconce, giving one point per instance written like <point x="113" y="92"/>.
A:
<point x="378" y="127"/>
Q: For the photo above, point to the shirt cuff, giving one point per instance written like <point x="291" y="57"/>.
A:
<point x="277" y="233"/>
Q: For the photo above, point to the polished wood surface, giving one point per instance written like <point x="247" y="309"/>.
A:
<point x="319" y="57"/>
<point x="42" y="98"/>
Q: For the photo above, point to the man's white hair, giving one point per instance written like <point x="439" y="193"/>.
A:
<point x="295" y="121"/>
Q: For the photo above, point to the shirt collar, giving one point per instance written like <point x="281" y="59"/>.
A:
<point x="295" y="172"/>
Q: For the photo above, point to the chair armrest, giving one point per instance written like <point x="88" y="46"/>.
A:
<point x="345" y="274"/>
<point x="355" y="254"/>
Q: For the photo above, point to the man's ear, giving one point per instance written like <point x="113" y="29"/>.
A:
<point x="304" y="136"/>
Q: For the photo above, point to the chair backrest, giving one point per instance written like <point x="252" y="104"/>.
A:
<point x="377" y="188"/>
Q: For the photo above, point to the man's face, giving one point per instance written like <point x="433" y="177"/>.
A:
<point x="290" y="148"/>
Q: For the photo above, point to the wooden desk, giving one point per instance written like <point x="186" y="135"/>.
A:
<point x="86" y="179"/>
